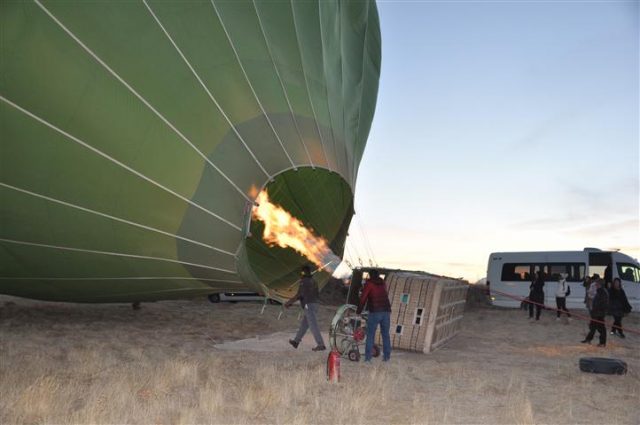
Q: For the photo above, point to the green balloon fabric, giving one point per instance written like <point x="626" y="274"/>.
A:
<point x="136" y="135"/>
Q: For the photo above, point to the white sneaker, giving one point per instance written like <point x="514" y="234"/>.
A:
<point x="557" y="319"/>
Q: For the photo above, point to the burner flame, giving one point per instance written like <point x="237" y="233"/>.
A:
<point x="286" y="231"/>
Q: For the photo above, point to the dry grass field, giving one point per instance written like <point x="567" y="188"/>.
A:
<point x="184" y="362"/>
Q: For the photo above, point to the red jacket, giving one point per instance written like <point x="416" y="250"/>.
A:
<point x="376" y="294"/>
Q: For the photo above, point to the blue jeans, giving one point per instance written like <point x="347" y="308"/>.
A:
<point x="384" y="319"/>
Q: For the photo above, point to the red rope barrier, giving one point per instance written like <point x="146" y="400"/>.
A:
<point x="580" y="316"/>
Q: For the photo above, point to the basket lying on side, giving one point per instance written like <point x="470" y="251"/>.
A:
<point x="426" y="310"/>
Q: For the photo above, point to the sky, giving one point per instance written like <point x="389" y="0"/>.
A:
<point x="500" y="126"/>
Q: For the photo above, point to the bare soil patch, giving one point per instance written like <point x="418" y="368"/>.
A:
<point x="196" y="362"/>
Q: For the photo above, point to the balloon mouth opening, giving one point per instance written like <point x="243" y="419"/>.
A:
<point x="301" y="217"/>
<point x="282" y="229"/>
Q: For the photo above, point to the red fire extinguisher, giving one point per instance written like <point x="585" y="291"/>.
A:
<point x="333" y="366"/>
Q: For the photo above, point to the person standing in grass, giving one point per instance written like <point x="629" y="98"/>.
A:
<point x="536" y="295"/>
<point x="618" y="307"/>
<point x="586" y="284"/>
<point x="598" y="311"/>
<point x="562" y="292"/>
<point x="309" y="296"/>
<point x="593" y="288"/>
<point x="375" y="296"/>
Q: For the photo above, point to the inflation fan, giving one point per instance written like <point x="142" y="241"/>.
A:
<point x="348" y="333"/>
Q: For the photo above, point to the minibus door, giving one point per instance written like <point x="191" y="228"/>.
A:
<point x="600" y="264"/>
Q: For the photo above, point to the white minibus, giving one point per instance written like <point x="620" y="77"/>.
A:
<point x="511" y="273"/>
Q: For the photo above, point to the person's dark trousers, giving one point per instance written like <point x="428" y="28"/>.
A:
<point x="597" y="324"/>
<point x="538" y="310"/>
<point x="617" y="325"/>
<point x="561" y="303"/>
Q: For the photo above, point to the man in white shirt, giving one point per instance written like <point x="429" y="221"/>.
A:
<point x="561" y="296"/>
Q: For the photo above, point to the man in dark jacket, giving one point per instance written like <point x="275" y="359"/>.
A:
<point x="536" y="295"/>
<point x="309" y="297"/>
<point x="618" y="306"/>
<point x="375" y="293"/>
<point x="598" y="311"/>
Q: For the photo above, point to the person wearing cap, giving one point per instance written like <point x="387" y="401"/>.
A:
<point x="309" y="297"/>
<point x="374" y="295"/>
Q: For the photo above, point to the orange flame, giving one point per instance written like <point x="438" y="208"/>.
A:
<point x="286" y="231"/>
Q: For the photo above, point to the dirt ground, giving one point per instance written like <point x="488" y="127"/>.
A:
<point x="197" y="362"/>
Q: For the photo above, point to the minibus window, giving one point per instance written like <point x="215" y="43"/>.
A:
<point x="574" y="271"/>
<point x="577" y="273"/>
<point x="556" y="270"/>
<point x="516" y="272"/>
<point x="541" y="268"/>
<point x="629" y="272"/>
